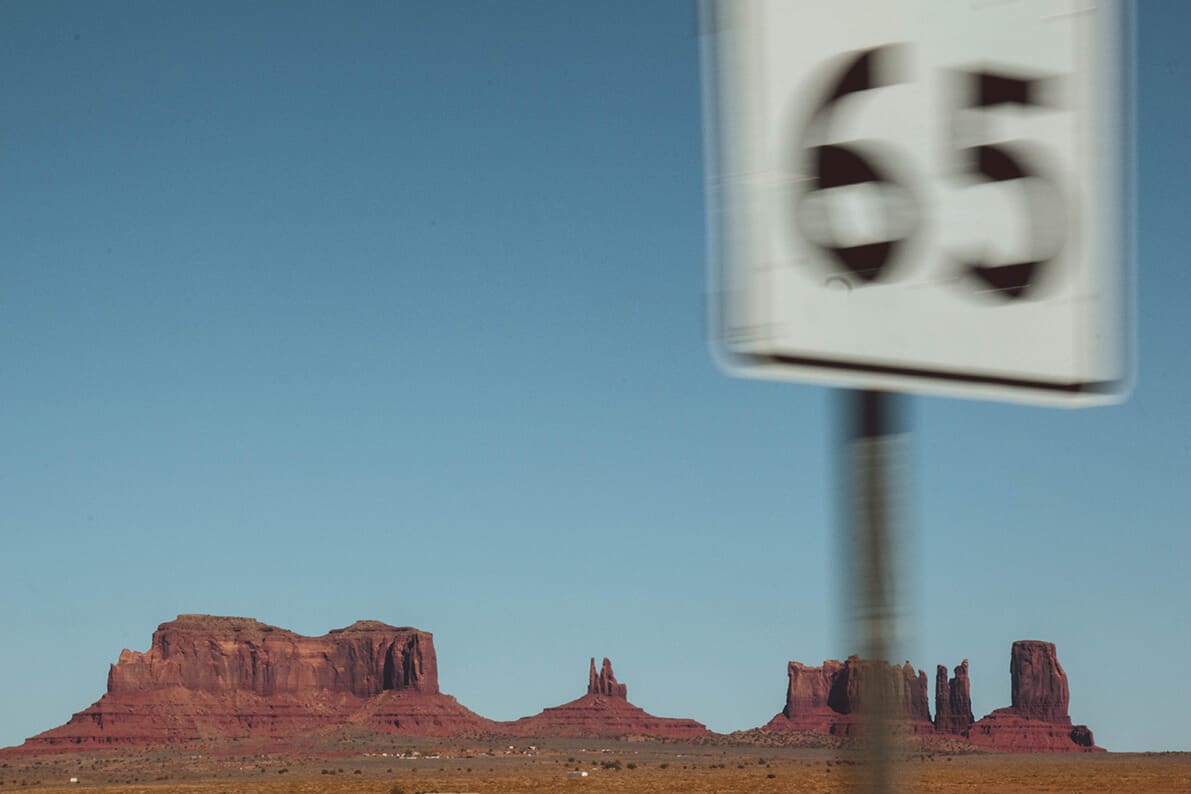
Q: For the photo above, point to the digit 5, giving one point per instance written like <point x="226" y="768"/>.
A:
<point x="840" y="165"/>
<point x="1008" y="162"/>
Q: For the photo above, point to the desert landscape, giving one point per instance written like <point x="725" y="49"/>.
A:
<point x="347" y="763"/>
<point x="222" y="704"/>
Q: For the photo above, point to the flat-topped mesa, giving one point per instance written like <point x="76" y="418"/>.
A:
<point x="829" y="699"/>
<point x="953" y="700"/>
<point x="230" y="654"/>
<point x="225" y="678"/>
<point x="605" y="683"/>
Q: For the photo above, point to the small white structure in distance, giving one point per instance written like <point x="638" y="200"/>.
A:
<point x="577" y="773"/>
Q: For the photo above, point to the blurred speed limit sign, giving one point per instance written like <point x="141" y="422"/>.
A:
<point x="922" y="195"/>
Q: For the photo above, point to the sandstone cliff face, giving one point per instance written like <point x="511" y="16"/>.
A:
<point x="210" y="654"/>
<point x="829" y="699"/>
<point x="207" y="677"/>
<point x="604" y="711"/>
<point x="1039" y="682"/>
<point x="811" y="692"/>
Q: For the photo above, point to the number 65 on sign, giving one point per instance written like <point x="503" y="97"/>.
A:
<point x="922" y="195"/>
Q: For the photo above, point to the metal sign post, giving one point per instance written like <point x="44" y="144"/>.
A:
<point x="874" y="437"/>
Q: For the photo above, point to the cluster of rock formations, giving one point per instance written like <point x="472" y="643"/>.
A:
<point x="219" y="678"/>
<point x="208" y="677"/>
<point x="829" y="700"/>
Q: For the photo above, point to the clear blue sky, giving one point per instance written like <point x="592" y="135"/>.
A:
<point x="396" y="311"/>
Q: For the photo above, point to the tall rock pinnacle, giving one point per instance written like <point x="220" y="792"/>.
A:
<point x="953" y="700"/>
<point x="605" y="683"/>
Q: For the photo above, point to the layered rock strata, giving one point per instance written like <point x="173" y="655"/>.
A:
<point x="604" y="711"/>
<point x="208" y="677"/>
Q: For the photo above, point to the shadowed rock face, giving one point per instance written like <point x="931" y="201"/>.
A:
<point x="603" y="711"/>
<point x="207" y="677"/>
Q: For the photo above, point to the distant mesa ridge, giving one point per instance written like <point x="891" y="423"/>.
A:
<point x="829" y="700"/>
<point x="224" y="678"/>
<point x="208" y="677"/>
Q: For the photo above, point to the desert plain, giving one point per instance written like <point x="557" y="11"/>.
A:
<point x="396" y="765"/>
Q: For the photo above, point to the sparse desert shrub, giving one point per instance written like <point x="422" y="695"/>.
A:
<point x="396" y="789"/>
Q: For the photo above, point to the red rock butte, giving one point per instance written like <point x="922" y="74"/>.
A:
<point x="604" y="711"/>
<point x="210" y="677"/>
<point x="828" y="700"/>
<point x="1037" y="720"/>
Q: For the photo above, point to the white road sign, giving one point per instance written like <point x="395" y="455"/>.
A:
<point x="922" y="195"/>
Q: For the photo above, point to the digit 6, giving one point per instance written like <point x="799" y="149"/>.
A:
<point x="836" y="165"/>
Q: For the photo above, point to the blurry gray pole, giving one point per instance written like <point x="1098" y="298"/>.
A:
<point x="871" y="557"/>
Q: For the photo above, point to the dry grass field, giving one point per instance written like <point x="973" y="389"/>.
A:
<point x="631" y="768"/>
